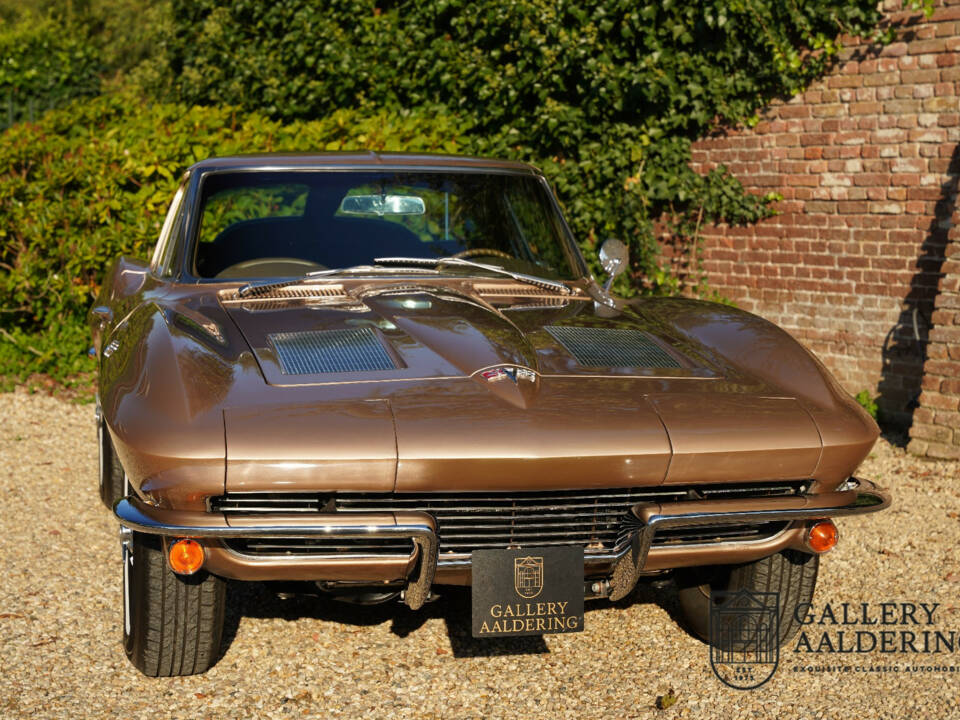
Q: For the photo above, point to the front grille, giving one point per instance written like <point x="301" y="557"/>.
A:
<point x="269" y="502"/>
<point x="331" y="351"/>
<point x="612" y="347"/>
<point x="467" y="522"/>
<point x="598" y="520"/>
<point x="321" y="546"/>
<point x="707" y="535"/>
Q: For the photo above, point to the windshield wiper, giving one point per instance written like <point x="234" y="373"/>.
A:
<point x="265" y="287"/>
<point x="258" y="288"/>
<point x="554" y="285"/>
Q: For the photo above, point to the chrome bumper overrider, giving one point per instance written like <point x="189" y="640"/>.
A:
<point x="852" y="498"/>
<point x="135" y="515"/>
<point x="855" y="497"/>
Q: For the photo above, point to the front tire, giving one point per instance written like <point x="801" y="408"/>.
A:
<point x="790" y="573"/>
<point x="173" y="624"/>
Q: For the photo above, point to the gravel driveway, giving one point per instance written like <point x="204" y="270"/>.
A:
<point x="60" y="615"/>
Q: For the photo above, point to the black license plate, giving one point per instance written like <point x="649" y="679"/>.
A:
<point x="533" y="591"/>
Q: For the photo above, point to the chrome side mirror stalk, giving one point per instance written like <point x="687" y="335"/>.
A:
<point x="614" y="259"/>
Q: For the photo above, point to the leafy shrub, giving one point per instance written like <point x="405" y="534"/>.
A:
<point x="605" y="94"/>
<point x="868" y="402"/>
<point x="121" y="33"/>
<point x="550" y="70"/>
<point x="43" y="64"/>
<point x="93" y="180"/>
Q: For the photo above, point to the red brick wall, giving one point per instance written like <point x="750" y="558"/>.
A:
<point x="867" y="163"/>
<point x="936" y="423"/>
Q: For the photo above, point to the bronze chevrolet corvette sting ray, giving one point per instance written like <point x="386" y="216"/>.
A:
<point x="382" y="374"/>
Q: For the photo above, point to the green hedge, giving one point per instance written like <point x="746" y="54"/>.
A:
<point x="93" y="180"/>
<point x="553" y="71"/>
<point x="605" y="94"/>
<point x="43" y="64"/>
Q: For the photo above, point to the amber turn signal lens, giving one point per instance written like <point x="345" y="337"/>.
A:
<point x="186" y="556"/>
<point x="822" y="536"/>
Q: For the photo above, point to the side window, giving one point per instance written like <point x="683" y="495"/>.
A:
<point x="160" y="264"/>
<point x="535" y="225"/>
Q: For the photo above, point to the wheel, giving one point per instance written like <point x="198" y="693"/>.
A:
<point x="790" y="573"/>
<point x="112" y="479"/>
<point x="172" y="624"/>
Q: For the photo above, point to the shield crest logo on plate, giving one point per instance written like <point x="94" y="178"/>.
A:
<point x="528" y="576"/>
<point x="744" y="637"/>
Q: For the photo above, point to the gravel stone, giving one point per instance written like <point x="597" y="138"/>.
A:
<point x="60" y="621"/>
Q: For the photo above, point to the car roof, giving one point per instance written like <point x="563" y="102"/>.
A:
<point x="305" y="161"/>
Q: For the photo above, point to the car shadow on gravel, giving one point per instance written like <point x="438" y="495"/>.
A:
<point x="663" y="594"/>
<point x="261" y="600"/>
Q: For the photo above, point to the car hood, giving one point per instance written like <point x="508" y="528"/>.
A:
<point x="425" y="388"/>
<point x="411" y="332"/>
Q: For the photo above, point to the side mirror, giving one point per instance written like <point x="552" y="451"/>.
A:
<point x="614" y="258"/>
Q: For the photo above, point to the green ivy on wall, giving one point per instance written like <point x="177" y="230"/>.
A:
<point x="605" y="96"/>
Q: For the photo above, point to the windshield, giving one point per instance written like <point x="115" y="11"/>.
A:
<point x="286" y="224"/>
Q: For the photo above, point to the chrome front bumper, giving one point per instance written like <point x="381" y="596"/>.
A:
<point x="418" y="527"/>
<point x="854" y="497"/>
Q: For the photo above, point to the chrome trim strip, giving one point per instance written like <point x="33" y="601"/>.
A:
<point x="461" y="561"/>
<point x="723" y="543"/>
<point x="209" y="526"/>
<point x="130" y="516"/>
<point x="869" y="498"/>
<point x="339" y="558"/>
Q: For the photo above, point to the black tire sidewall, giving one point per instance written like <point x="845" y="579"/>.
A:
<point x="103" y="444"/>
<point x="142" y="554"/>
<point x="694" y="587"/>
<point x="693" y="596"/>
<point x="163" y="607"/>
<point x="112" y="478"/>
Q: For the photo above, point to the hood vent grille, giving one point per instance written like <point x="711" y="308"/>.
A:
<point x="612" y="347"/>
<point x="331" y="351"/>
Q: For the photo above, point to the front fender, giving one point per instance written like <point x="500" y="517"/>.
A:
<point x="747" y="344"/>
<point x="160" y="392"/>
